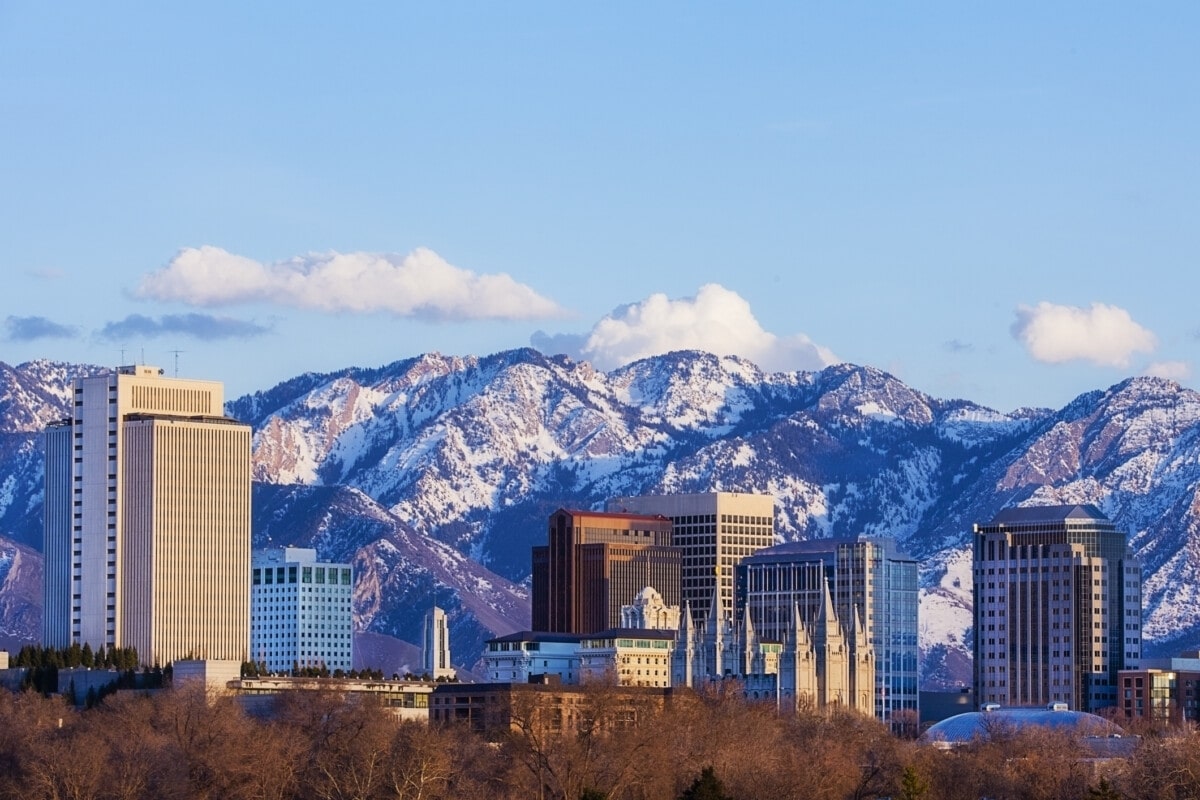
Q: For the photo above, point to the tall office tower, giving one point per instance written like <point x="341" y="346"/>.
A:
<point x="435" y="649"/>
<point x="715" y="531"/>
<point x="867" y="576"/>
<point x="595" y="562"/>
<point x="301" y="610"/>
<point x="1057" y="607"/>
<point x="147" y="519"/>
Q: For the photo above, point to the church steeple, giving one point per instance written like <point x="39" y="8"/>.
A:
<point x="750" y="646"/>
<point x="683" y="667"/>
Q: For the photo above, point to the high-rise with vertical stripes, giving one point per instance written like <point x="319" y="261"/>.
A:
<point x="1057" y="607"/>
<point x="147" y="519"/>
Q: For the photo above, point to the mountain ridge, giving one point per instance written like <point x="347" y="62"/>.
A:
<point x="472" y="453"/>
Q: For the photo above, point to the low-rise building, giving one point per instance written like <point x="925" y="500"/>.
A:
<point x="627" y="657"/>
<point x="544" y="708"/>
<point x="408" y="700"/>
<point x="520" y="657"/>
<point x="1162" y="690"/>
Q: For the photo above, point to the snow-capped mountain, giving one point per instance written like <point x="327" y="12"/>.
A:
<point x="426" y="471"/>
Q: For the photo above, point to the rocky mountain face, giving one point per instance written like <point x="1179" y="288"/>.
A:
<point x="436" y="474"/>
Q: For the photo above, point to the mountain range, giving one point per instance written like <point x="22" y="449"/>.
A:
<point x="436" y="474"/>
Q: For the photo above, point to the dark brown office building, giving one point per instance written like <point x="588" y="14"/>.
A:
<point x="596" y="562"/>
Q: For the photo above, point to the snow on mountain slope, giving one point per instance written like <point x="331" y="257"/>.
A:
<point x="422" y="470"/>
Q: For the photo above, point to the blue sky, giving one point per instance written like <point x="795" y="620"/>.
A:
<point x="997" y="203"/>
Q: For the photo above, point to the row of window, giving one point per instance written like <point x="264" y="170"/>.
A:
<point x="277" y="575"/>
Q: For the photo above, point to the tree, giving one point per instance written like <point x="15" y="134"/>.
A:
<point x="912" y="785"/>
<point x="705" y="787"/>
<point x="1103" y="791"/>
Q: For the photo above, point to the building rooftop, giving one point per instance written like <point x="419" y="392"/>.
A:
<point x="581" y="512"/>
<point x="817" y="547"/>
<point x="538" y="636"/>
<point x="631" y="633"/>
<point x="964" y="728"/>
<point x="1030" y="514"/>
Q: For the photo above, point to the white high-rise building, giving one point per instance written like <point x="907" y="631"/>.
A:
<point x="302" y="610"/>
<point x="715" y="530"/>
<point x="435" y="650"/>
<point x="147" y="519"/>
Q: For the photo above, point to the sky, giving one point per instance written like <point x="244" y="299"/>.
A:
<point x="991" y="203"/>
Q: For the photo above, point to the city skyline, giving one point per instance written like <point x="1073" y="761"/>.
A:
<point x="990" y="205"/>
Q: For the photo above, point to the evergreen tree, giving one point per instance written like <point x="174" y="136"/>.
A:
<point x="1103" y="791"/>
<point x="912" y="787"/>
<point x="86" y="657"/>
<point x="707" y="787"/>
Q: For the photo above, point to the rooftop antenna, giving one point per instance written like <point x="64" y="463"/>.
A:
<point x="143" y="356"/>
<point x="122" y="362"/>
<point x="177" y="352"/>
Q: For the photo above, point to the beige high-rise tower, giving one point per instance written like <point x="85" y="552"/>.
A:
<point x="147" y="520"/>
<point x="715" y="531"/>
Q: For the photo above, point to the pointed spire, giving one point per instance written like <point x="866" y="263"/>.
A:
<point x="687" y="629"/>
<point x="827" y="621"/>
<point x="799" y="630"/>
<point x="712" y="625"/>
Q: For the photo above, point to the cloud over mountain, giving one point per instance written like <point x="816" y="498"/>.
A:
<point x="28" y="329"/>
<point x="1104" y="335"/>
<point x="1175" y="370"/>
<point x="421" y="284"/>
<point x="197" y="326"/>
<point x="716" y="320"/>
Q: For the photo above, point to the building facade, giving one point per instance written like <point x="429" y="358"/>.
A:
<point x="714" y="531"/>
<point x="594" y="562"/>
<point x="1057" y="614"/>
<point x="870" y="579"/>
<point x="620" y="657"/>
<point x="1165" y="691"/>
<point x="302" y="611"/>
<point x="649" y="611"/>
<point x="545" y="709"/>
<point x="435" y="645"/>
<point x="523" y="656"/>
<point x="147" y="519"/>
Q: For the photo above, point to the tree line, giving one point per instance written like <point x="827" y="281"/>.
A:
<point x="185" y="743"/>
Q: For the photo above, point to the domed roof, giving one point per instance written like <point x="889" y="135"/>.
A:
<point x="963" y="728"/>
<point x="648" y="596"/>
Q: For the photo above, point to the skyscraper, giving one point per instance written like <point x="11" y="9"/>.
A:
<point x="870" y="580"/>
<point x="594" y="563"/>
<point x="1057" y="607"/>
<point x="435" y="645"/>
<point x="147" y="519"/>
<point x="714" y="530"/>
<point x="302" y="610"/>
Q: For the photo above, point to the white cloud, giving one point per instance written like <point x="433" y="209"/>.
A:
<point x="1104" y="335"/>
<point x="1175" y="370"/>
<point x="420" y="284"/>
<point x="716" y="320"/>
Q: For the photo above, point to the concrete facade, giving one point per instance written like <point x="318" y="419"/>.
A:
<point x="714" y="531"/>
<point x="302" y="610"/>
<point x="435" y="645"/>
<point x="1057" y="596"/>
<point x="147" y="519"/>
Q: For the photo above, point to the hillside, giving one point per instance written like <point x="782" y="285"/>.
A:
<point x="435" y="474"/>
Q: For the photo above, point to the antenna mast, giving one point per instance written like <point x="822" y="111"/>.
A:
<point x="177" y="352"/>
